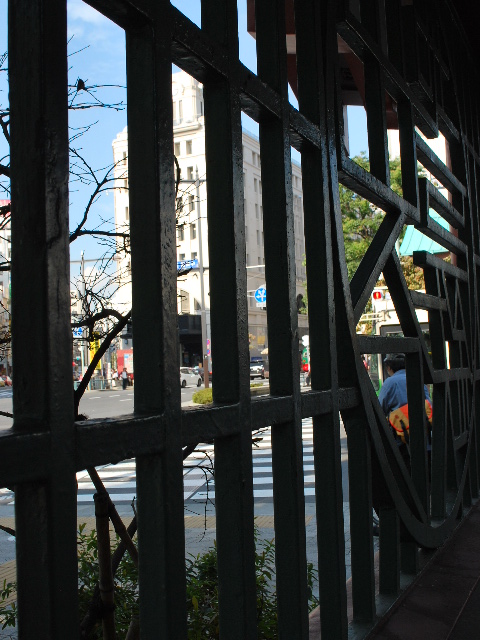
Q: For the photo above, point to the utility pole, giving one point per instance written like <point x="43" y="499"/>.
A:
<point x="202" y="284"/>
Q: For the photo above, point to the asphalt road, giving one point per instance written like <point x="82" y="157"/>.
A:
<point x="94" y="404"/>
<point x="99" y="404"/>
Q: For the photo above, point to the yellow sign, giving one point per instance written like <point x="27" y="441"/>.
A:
<point x="93" y="348"/>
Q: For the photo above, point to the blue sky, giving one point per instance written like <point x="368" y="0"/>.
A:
<point x="97" y="56"/>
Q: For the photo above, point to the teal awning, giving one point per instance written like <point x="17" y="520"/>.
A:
<point x="415" y="240"/>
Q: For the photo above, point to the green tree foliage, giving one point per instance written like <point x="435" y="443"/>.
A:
<point x="361" y="219"/>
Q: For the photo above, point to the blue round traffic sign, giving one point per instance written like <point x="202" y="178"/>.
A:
<point x="261" y="294"/>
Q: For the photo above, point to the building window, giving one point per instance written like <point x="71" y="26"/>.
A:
<point x="177" y="149"/>
<point x="124" y="157"/>
<point x="255" y="185"/>
<point x="127" y="214"/>
<point x="256" y="211"/>
<point x="259" y="260"/>
<point x="181" y="257"/>
<point x="179" y="204"/>
<point x="189" y="148"/>
<point x="125" y="184"/>
<point x="184" y="301"/>
<point x="262" y="239"/>
<point x="261" y="212"/>
<point x="194" y="255"/>
<point x="181" y="233"/>
<point x="193" y="231"/>
<point x="180" y="110"/>
<point x="260" y="186"/>
<point x="189" y="173"/>
<point x="201" y="108"/>
<point x="258" y="237"/>
<point x="191" y="203"/>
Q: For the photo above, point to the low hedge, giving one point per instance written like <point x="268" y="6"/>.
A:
<point x="204" y="396"/>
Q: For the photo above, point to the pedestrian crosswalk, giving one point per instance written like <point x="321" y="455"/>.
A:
<point x="262" y="468"/>
<point x="198" y="478"/>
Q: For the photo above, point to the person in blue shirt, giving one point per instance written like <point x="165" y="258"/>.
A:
<point x="393" y="395"/>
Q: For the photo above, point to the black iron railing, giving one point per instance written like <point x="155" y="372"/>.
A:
<point x="412" y="71"/>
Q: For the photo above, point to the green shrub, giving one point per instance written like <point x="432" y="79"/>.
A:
<point x="126" y="584"/>
<point x="204" y="396"/>
<point x="8" y="613"/>
<point x="202" y="590"/>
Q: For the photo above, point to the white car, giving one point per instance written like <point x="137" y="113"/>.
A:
<point x="188" y="376"/>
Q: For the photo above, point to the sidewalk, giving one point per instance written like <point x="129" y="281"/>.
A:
<point x="444" y="600"/>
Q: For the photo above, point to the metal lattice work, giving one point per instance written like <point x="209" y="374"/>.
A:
<point x="408" y="57"/>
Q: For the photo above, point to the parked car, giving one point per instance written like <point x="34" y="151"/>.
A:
<point x="257" y="370"/>
<point x="188" y="376"/>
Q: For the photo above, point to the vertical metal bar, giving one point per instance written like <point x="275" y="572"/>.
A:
<point x="409" y="557"/>
<point x="376" y="119"/>
<point x="439" y="452"/>
<point x="360" y="497"/>
<point x="43" y="394"/>
<point x="375" y="97"/>
<point x="287" y="458"/>
<point x="394" y="33"/>
<point x="154" y="291"/>
<point x="417" y="435"/>
<point x="437" y="337"/>
<point x="310" y="26"/>
<point x="229" y="325"/>
<point x="360" y="484"/>
<point x="389" y="572"/>
<point x="408" y="152"/>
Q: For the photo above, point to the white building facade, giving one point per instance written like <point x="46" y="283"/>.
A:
<point x="192" y="226"/>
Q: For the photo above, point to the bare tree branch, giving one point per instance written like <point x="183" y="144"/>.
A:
<point x="99" y="184"/>
<point x="93" y="232"/>
<point x="106" y="313"/>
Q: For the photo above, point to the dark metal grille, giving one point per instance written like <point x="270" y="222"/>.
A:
<point x="420" y="60"/>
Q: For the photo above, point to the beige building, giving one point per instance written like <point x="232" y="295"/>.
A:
<point x="192" y="227"/>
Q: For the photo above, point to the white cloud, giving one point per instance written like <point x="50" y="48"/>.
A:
<point x="78" y="10"/>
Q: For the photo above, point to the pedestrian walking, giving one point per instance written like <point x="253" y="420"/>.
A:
<point x="124" y="378"/>
<point x="393" y="397"/>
